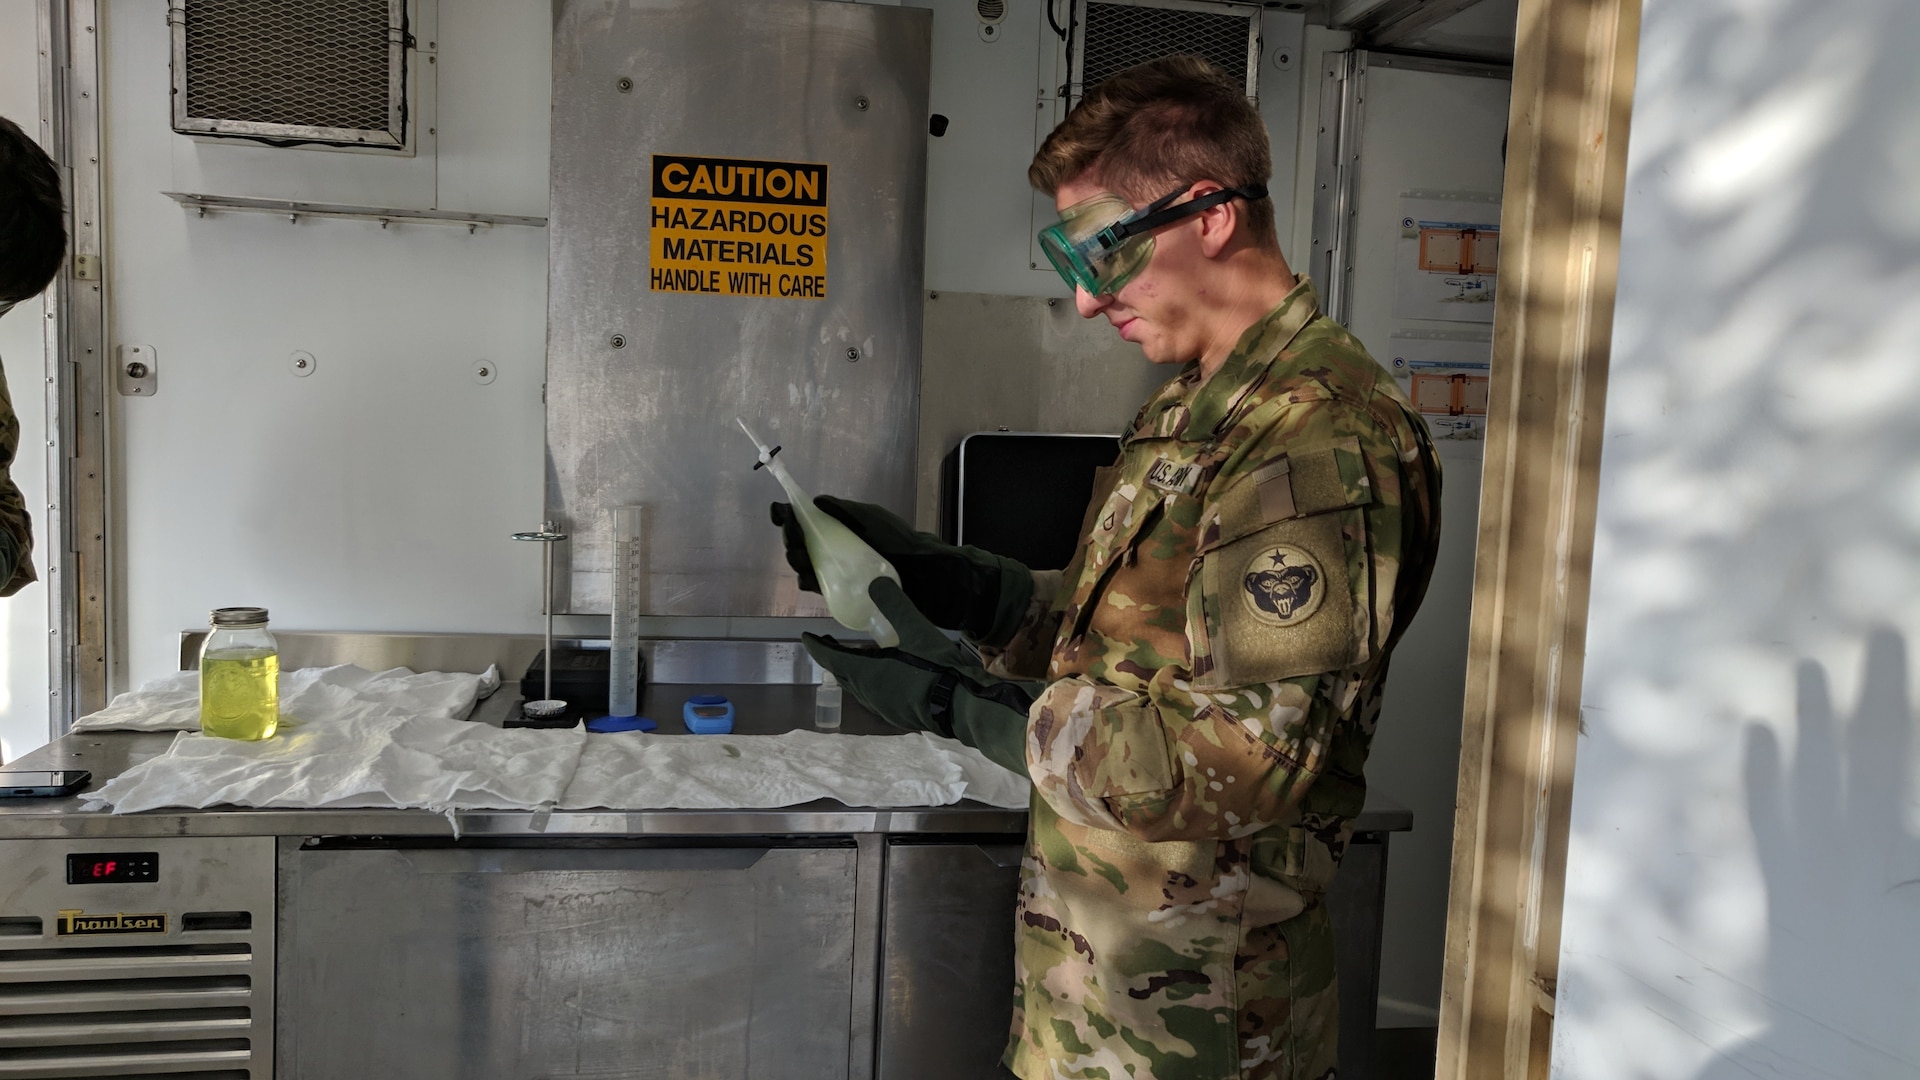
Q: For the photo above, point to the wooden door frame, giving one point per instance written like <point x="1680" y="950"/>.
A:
<point x="1573" y="79"/>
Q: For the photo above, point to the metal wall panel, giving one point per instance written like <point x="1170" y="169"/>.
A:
<point x="1020" y="363"/>
<point x="835" y="381"/>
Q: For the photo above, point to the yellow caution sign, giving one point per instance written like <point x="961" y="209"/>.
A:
<point x="733" y="227"/>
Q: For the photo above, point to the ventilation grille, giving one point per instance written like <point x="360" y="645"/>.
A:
<point x="178" y="1010"/>
<point x="315" y="71"/>
<point x="1118" y="36"/>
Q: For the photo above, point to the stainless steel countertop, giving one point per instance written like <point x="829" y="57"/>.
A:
<point x="760" y="710"/>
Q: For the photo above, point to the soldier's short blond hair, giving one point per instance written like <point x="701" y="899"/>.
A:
<point x="1157" y="125"/>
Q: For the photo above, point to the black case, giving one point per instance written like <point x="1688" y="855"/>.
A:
<point x="1022" y="494"/>
<point x="579" y="679"/>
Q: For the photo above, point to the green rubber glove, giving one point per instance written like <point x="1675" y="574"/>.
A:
<point x="976" y="592"/>
<point x="929" y="683"/>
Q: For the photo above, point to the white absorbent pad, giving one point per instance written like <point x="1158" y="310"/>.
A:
<point x="172" y="702"/>
<point x="629" y="771"/>
<point x="339" y="749"/>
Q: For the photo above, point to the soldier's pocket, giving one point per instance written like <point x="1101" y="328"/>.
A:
<point x="1128" y="758"/>
<point x="1282" y="588"/>
<point x="1120" y="525"/>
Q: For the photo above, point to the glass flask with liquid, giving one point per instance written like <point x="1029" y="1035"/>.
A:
<point x="845" y="565"/>
<point x="240" y="676"/>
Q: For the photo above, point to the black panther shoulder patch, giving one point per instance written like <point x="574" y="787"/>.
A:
<point x="1283" y="585"/>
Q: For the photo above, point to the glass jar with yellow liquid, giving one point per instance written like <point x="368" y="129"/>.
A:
<point x="240" y="676"/>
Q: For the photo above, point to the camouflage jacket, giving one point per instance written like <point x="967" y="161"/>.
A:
<point x="16" y="525"/>
<point x="1216" y="651"/>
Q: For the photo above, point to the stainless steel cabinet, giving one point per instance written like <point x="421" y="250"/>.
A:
<point x="136" y="957"/>
<point x="947" y="959"/>
<point x="1356" y="905"/>
<point x="618" y="960"/>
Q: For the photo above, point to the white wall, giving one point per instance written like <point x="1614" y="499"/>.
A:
<point x="1429" y="132"/>
<point x="1000" y="96"/>
<point x="23" y="617"/>
<point x="379" y="492"/>
<point x="1743" y="896"/>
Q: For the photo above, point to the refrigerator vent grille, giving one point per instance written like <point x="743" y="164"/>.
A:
<point x="294" y="71"/>
<point x="178" y="1010"/>
<point x="1120" y="35"/>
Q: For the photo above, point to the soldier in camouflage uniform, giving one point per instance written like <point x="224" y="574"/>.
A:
<point x="1206" y="674"/>
<point x="33" y="240"/>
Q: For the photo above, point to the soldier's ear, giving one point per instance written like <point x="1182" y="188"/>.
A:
<point x="1218" y="224"/>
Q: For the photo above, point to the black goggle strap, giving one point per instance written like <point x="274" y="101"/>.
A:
<point x="1158" y="214"/>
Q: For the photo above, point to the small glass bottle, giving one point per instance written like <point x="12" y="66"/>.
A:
<point x="240" y="676"/>
<point x="826" y="703"/>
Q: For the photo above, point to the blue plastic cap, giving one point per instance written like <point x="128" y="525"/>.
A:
<point x="721" y="724"/>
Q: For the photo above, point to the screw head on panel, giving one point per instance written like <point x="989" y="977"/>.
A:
<point x="852" y="355"/>
<point x="301" y="364"/>
<point x="624" y="85"/>
<point x="618" y="341"/>
<point x="861" y="103"/>
<point x="484" y="371"/>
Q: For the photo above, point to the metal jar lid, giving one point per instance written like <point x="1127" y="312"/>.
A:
<point x="239" y="616"/>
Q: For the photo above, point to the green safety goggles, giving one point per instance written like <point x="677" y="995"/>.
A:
<point x="1101" y="243"/>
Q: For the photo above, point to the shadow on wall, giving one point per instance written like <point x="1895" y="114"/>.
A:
<point x="1842" y="872"/>
<point x="1739" y="886"/>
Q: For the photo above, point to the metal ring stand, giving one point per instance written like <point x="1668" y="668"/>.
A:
<point x="547" y="707"/>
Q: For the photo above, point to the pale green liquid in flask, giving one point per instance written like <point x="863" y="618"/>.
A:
<point x="844" y="564"/>
<point x="240" y="693"/>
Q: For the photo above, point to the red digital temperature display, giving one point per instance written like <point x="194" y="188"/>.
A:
<point x="101" y="867"/>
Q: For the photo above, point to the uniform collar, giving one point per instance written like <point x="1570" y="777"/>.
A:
<point x="1188" y="410"/>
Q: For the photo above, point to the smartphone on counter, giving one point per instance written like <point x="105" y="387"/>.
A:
<point x="42" y="784"/>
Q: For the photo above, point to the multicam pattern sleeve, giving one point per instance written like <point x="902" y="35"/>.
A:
<point x="16" y="525"/>
<point x="1212" y="719"/>
<point x="1025" y="654"/>
<point x="1285" y="608"/>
